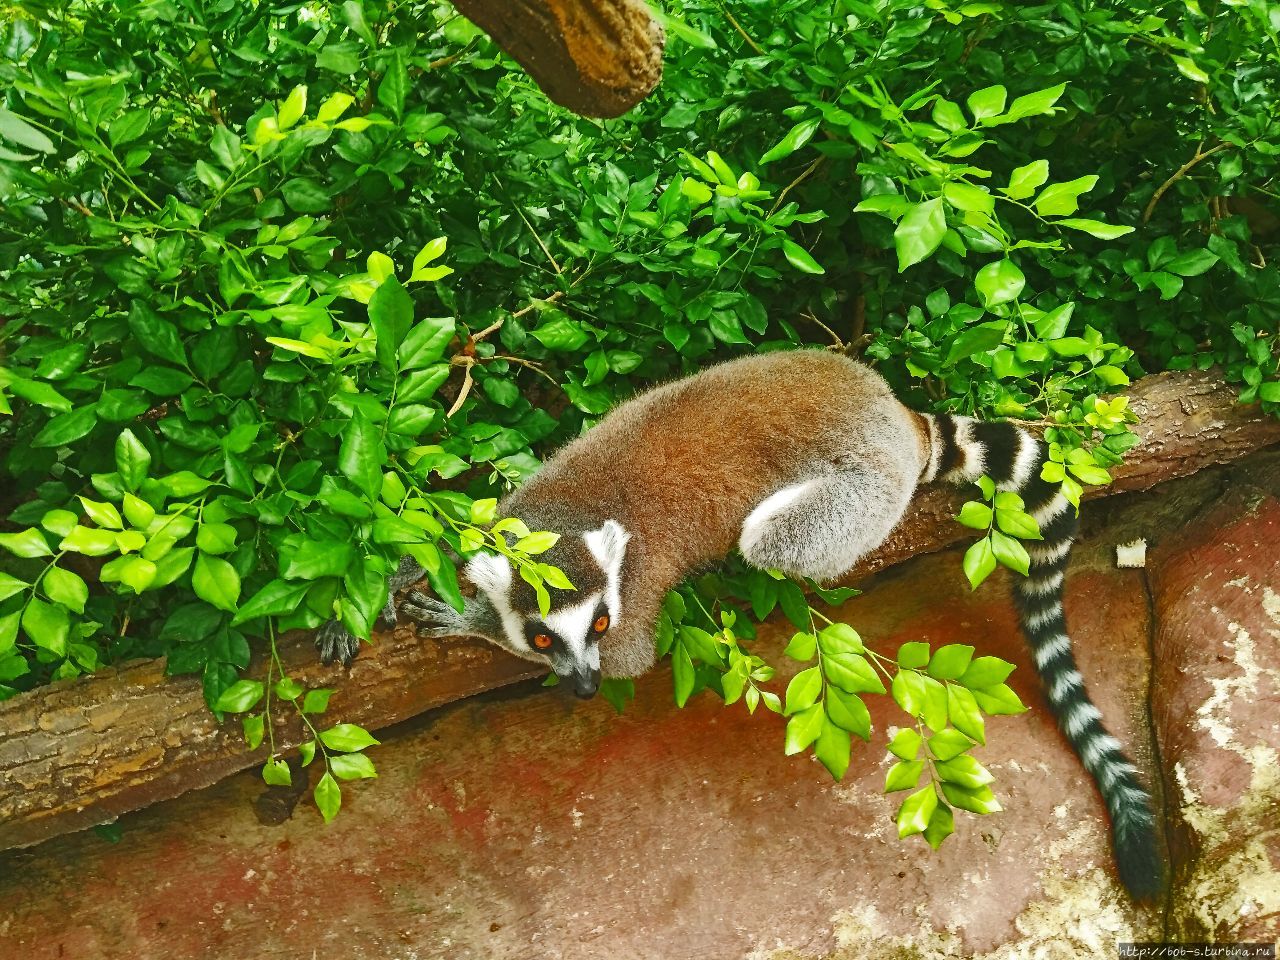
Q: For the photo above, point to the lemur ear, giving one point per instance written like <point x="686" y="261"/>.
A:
<point x="608" y="545"/>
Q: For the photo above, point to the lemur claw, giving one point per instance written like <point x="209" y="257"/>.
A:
<point x="336" y="644"/>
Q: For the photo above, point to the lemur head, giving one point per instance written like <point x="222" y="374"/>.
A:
<point x="569" y="636"/>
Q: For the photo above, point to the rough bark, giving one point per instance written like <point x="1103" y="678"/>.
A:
<point x="81" y="752"/>
<point x="599" y="58"/>
<point x="1189" y="421"/>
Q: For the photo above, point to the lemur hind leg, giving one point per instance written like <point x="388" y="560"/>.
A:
<point x="821" y="527"/>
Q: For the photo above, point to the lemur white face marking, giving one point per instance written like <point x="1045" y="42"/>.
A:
<point x="609" y="546"/>
<point x="575" y="626"/>
<point x="492" y="575"/>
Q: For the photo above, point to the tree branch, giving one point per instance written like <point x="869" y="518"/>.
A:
<point x="82" y="752"/>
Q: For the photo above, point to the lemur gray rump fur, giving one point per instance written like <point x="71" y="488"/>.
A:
<point x="805" y="461"/>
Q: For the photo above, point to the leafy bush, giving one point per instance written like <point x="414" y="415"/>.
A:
<point x="287" y="291"/>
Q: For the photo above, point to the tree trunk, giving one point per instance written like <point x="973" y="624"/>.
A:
<point x="599" y="58"/>
<point x="81" y="752"/>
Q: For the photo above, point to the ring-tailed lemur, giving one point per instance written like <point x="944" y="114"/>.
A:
<point x="805" y="461"/>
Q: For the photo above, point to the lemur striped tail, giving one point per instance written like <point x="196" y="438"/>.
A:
<point x="963" y="449"/>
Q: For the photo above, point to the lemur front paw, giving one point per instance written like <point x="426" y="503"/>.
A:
<point x="336" y="644"/>
<point x="438" y="619"/>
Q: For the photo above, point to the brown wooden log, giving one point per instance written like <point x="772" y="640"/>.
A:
<point x="83" y="751"/>
<point x="1188" y="421"/>
<point x="599" y="58"/>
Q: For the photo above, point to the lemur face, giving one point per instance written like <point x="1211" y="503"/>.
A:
<point x="569" y="636"/>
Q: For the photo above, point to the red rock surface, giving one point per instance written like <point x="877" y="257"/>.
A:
<point x="524" y="825"/>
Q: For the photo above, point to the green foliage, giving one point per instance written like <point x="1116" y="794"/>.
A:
<point x="288" y="292"/>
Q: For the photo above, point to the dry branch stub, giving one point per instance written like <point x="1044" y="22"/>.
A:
<point x="84" y="751"/>
<point x="598" y="58"/>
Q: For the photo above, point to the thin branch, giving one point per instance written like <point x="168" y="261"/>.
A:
<point x="836" y="342"/>
<point x="1181" y="172"/>
<point x="559" y="272"/>
<point x="804" y="175"/>
<point x="743" y="33"/>
<point x="497" y="324"/>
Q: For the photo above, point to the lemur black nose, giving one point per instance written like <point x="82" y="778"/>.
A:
<point x="586" y="685"/>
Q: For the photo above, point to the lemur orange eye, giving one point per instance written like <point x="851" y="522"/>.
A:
<point x="542" y="641"/>
<point x="601" y="624"/>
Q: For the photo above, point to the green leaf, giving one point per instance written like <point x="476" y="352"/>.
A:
<point x="28" y="543"/>
<point x="276" y="773"/>
<point x="1010" y="552"/>
<point x="987" y="102"/>
<point x="963" y="710"/>
<point x="362" y="455"/>
<point x="852" y="673"/>
<point x="87" y="541"/>
<point x="254" y="729"/>
<point x="976" y="515"/>
<point x="216" y="538"/>
<point x="941" y="825"/>
<point x="67" y="428"/>
<point x="832" y="749"/>
<point x="999" y="282"/>
<point x="294" y="106"/>
<point x="948" y="743"/>
<point x="16" y="130"/>
<point x="916" y="811"/>
<point x="796" y="138"/>
<point x="979" y="562"/>
<point x="352" y="766"/>
<point x="390" y="315"/>
<point x="102" y="514"/>
<point x="840" y="638"/>
<point x="905" y="744"/>
<point x="803" y="728"/>
<point x="919" y="232"/>
<point x="1192" y="263"/>
<point x="535" y="543"/>
<point x="978" y="800"/>
<point x="1033" y="104"/>
<point x="9" y="586"/>
<point x="682" y="673"/>
<point x="1061" y="199"/>
<point x="802" y="646"/>
<point x="215" y="581"/>
<point x="967" y="197"/>
<point x="803" y="690"/>
<point x="275" y="599"/>
<point x="240" y="696"/>
<point x="395" y="81"/>
<point x="903" y="775"/>
<point x="1096" y="228"/>
<point x="986" y="672"/>
<point x="347" y="736"/>
<point x="316" y="701"/>
<point x="977" y="339"/>
<point x="950" y="662"/>
<point x="1189" y="69"/>
<point x="47" y="624"/>
<point x="848" y="712"/>
<point x="328" y="796"/>
<point x="800" y="258"/>
<point x="1024" y="181"/>
<point x="964" y="770"/>
<point x="64" y="587"/>
<point x="913" y="654"/>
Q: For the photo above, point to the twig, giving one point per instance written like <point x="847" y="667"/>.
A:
<point x="804" y="175"/>
<point x="1181" y="172"/>
<point x="467" y="363"/>
<point x="743" y="33"/>
<point x="530" y="364"/>
<point x="497" y="324"/>
<point x="836" y="342"/>
<point x="559" y="272"/>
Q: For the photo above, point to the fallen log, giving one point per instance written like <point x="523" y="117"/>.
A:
<point x="599" y="58"/>
<point x="81" y="752"/>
